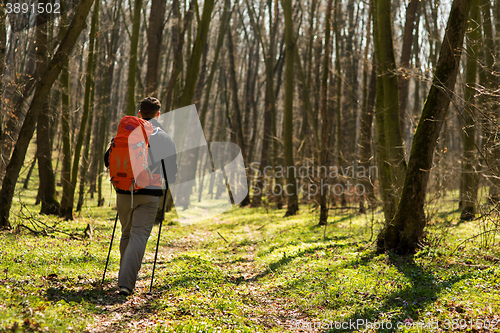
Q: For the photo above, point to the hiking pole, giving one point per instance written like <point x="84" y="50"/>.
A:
<point x="161" y="222"/>
<point x="109" y="252"/>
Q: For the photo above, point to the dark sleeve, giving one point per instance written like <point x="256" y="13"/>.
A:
<point x="106" y="154"/>
<point x="106" y="157"/>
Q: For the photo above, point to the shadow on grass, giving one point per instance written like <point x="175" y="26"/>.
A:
<point x="190" y="272"/>
<point x="95" y="296"/>
<point x="444" y="215"/>
<point x="313" y="238"/>
<point x="286" y="258"/>
<point x="328" y="238"/>
<point x="423" y="291"/>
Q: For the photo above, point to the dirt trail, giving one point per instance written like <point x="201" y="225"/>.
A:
<point x="134" y="313"/>
<point x="278" y="312"/>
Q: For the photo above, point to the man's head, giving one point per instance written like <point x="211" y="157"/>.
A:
<point x="150" y="108"/>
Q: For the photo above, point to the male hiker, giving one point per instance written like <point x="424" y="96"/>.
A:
<point x="137" y="205"/>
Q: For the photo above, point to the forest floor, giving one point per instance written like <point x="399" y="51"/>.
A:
<point x="250" y="270"/>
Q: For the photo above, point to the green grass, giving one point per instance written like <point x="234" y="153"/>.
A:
<point x="249" y="270"/>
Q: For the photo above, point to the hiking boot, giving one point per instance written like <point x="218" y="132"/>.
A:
<point x="125" y="291"/>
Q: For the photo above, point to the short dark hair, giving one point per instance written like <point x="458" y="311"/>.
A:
<point x="149" y="107"/>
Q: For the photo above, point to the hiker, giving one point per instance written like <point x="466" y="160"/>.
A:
<point x="137" y="206"/>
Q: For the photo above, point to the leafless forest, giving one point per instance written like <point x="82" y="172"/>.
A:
<point x="334" y="103"/>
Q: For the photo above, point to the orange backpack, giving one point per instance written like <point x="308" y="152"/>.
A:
<point x="128" y="158"/>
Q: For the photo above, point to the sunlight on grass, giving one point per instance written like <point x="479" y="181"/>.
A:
<point x="248" y="270"/>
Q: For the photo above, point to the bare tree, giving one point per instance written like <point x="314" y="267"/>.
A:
<point x="403" y="78"/>
<point x="132" y="65"/>
<point x="68" y="209"/>
<point x="391" y="159"/>
<point x="3" y="50"/>
<point x="468" y="188"/>
<point x="155" y="39"/>
<point x="404" y="232"/>
<point x="47" y="185"/>
<point x="326" y="119"/>
<point x="42" y="89"/>
<point x="290" y="188"/>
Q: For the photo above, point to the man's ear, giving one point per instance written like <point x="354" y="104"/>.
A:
<point x="140" y="115"/>
<point x="158" y="114"/>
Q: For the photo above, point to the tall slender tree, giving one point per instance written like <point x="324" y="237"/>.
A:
<point x="269" y="129"/>
<point x="155" y="39"/>
<point x="365" y="135"/>
<point x="178" y="42"/>
<point x="391" y="159"/>
<point x="290" y="188"/>
<point x="47" y="189"/>
<point x="237" y="119"/>
<point x="3" y="51"/>
<point x="493" y="104"/>
<point x="403" y="78"/>
<point x="68" y="209"/>
<point x="106" y="95"/>
<point x="65" y="120"/>
<point x="132" y="65"/>
<point x="326" y="120"/>
<point x="468" y="189"/>
<point x="220" y="40"/>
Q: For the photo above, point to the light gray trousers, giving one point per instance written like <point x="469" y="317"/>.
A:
<point x="137" y="222"/>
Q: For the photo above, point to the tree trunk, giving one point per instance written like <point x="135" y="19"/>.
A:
<point x="30" y="172"/>
<point x="365" y="135"/>
<point x="96" y="152"/>
<point x="403" y="78"/>
<point x="493" y="104"/>
<point x="250" y="82"/>
<point x="236" y="120"/>
<point x="393" y="164"/>
<point x="469" y="173"/>
<point x="194" y="61"/>
<point x="222" y="33"/>
<point x="200" y="83"/>
<point x="109" y="68"/>
<point x="3" y="50"/>
<point x="155" y="38"/>
<point x="132" y="65"/>
<point x="168" y="95"/>
<point x="65" y="124"/>
<point x="350" y="83"/>
<point x="417" y="103"/>
<point x="42" y="89"/>
<point x="365" y="140"/>
<point x="267" y="151"/>
<point x="68" y="210"/>
<point x="66" y="137"/>
<point x="292" y="201"/>
<point x="338" y="93"/>
<point x="406" y="229"/>
<point x="326" y="120"/>
<point x="84" y="163"/>
<point x="47" y="185"/>
<point x="306" y="92"/>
